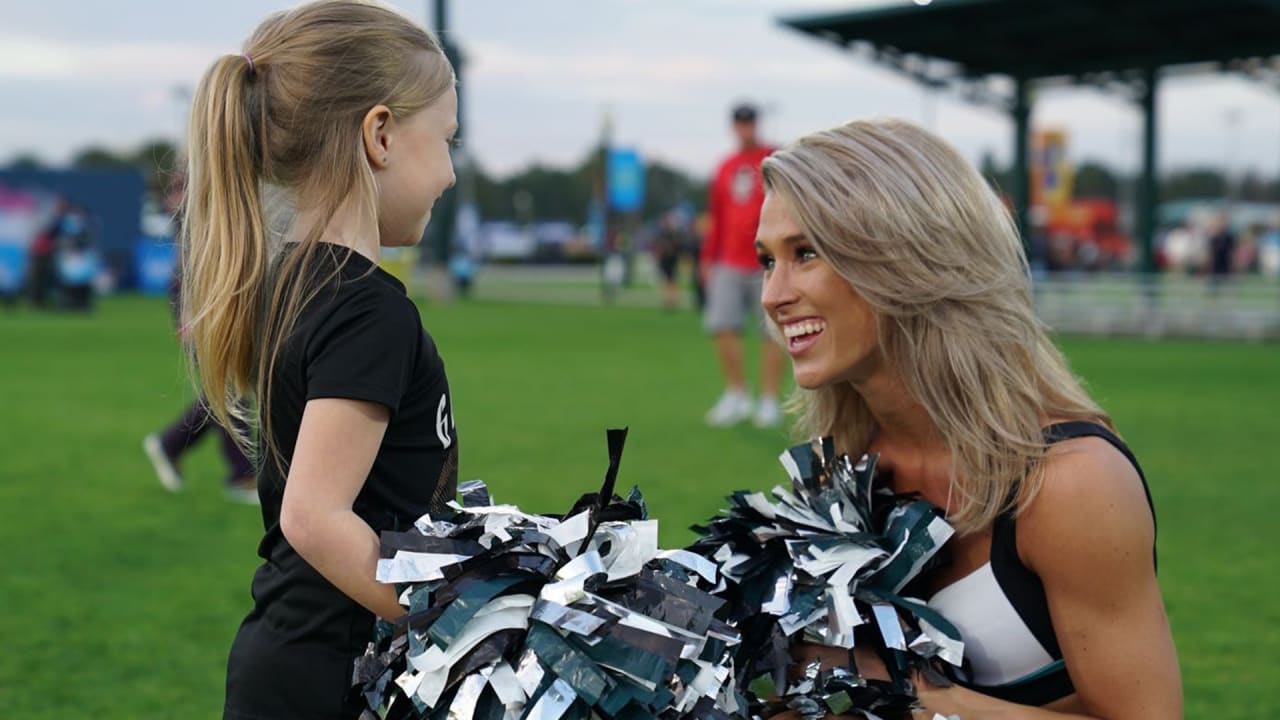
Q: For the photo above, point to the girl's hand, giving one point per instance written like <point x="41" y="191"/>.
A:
<point x="869" y="665"/>
<point x="944" y="701"/>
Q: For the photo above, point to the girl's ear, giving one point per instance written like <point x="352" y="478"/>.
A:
<point x="377" y="138"/>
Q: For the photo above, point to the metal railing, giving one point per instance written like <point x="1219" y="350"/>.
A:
<point x="1245" y="307"/>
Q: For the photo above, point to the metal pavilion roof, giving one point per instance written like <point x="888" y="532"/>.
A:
<point x="1055" y="38"/>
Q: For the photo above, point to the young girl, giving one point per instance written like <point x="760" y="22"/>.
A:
<point x="326" y="139"/>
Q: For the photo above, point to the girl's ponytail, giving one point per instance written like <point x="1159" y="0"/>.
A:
<point x="224" y="245"/>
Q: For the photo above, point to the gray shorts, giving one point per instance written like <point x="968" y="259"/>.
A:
<point x="733" y="295"/>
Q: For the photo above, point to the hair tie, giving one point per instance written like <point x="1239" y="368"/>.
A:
<point x="248" y="60"/>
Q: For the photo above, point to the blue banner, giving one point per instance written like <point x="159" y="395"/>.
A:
<point x="625" y="180"/>
<point x="13" y="267"/>
<point x="155" y="260"/>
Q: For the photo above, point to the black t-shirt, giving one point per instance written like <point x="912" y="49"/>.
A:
<point x="360" y="338"/>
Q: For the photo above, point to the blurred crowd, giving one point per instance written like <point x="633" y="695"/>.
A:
<point x="53" y="262"/>
<point x="1219" y="247"/>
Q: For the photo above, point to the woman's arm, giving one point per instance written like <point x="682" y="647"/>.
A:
<point x="1089" y="537"/>
<point x="337" y="443"/>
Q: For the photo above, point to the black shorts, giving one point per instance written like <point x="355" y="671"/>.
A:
<point x="667" y="266"/>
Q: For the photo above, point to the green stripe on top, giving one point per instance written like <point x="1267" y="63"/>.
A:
<point x="1049" y="669"/>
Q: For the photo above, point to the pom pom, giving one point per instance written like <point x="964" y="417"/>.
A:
<point x="825" y="562"/>
<point x="514" y="615"/>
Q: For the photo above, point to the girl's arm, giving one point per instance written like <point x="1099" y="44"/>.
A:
<point x="337" y="442"/>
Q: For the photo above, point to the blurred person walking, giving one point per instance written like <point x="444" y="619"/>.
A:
<point x="43" y="270"/>
<point x="697" y="278"/>
<point x="1222" y="251"/>
<point x="78" y="262"/>
<point x="732" y="277"/>
<point x="667" y="246"/>
<point x="166" y="447"/>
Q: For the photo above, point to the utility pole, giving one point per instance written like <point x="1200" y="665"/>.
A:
<point x="445" y="215"/>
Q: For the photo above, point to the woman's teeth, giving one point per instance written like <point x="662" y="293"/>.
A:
<point x="807" y="327"/>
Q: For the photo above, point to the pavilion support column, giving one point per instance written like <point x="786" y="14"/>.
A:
<point x="444" y="223"/>
<point x="1147" y="183"/>
<point x="1021" y="189"/>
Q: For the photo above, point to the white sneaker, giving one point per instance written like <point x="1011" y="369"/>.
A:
<point x="768" y="413"/>
<point x="243" y="491"/>
<point x="166" y="473"/>
<point x="733" y="407"/>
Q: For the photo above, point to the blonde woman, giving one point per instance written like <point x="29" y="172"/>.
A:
<point x="336" y="121"/>
<point x="896" y="281"/>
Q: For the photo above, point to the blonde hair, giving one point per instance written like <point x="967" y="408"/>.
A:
<point x="282" y="122"/>
<point x="918" y="234"/>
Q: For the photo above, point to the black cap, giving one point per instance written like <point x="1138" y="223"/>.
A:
<point x="744" y="113"/>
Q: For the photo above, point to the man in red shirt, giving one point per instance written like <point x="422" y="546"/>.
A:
<point x="733" y="278"/>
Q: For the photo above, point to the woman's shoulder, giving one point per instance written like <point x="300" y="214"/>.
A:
<point x="1088" y="464"/>
<point x="1091" y="500"/>
<point x="1086" y="459"/>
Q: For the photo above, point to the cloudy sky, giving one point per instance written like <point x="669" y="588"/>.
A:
<point x="541" y="74"/>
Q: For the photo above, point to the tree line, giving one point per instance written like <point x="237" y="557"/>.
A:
<point x="541" y="192"/>
<point x="1095" y="180"/>
<point x="535" y="193"/>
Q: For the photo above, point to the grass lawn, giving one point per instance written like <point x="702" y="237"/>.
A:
<point x="120" y="600"/>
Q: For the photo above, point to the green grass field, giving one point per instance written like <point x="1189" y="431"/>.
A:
<point x="119" y="600"/>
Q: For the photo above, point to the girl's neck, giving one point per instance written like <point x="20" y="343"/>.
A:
<point x="349" y="227"/>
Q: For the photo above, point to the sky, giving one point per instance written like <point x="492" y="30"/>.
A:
<point x="541" y="75"/>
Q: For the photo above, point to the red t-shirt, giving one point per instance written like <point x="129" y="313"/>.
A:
<point x="734" y="211"/>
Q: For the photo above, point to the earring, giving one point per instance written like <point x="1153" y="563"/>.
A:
<point x="384" y="159"/>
